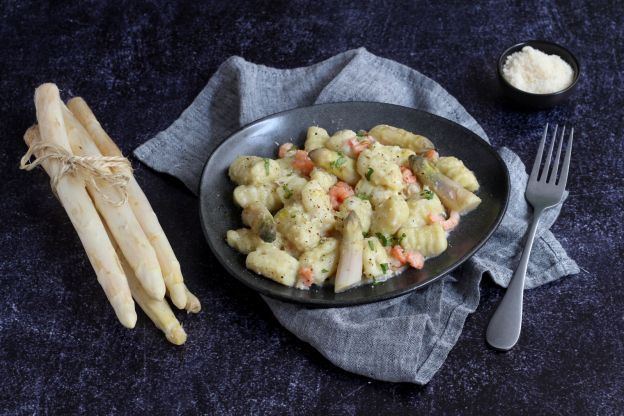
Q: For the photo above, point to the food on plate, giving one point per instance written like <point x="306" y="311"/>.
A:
<point x="352" y="208"/>
<point x="120" y="232"/>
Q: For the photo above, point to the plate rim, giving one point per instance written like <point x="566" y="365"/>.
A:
<point x="324" y="303"/>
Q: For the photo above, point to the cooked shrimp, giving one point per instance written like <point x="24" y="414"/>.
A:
<point x="357" y="146"/>
<point x="302" y="162"/>
<point x="447" y="224"/>
<point x="339" y="192"/>
<point x="431" y="155"/>
<point x="408" y="175"/>
<point x="411" y="257"/>
<point x="398" y="253"/>
<point x="283" y="149"/>
<point x="306" y="276"/>
<point x="415" y="259"/>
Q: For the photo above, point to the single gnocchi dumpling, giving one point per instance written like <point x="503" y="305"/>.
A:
<point x="247" y="170"/>
<point x="298" y="228"/>
<point x="244" y="195"/>
<point x="428" y="240"/>
<point x="390" y="216"/>
<point x="317" y="204"/>
<point x="362" y="209"/>
<point x="457" y="171"/>
<point x="315" y="138"/>
<point x="245" y="241"/>
<point x="373" y="165"/>
<point x="395" y="136"/>
<point x="289" y="188"/>
<point x="336" y="163"/>
<point x="374" y="193"/>
<point x="423" y="207"/>
<point x="375" y="258"/>
<point x="321" y="260"/>
<point x="271" y="262"/>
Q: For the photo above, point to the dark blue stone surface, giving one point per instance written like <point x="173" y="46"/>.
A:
<point x="140" y="64"/>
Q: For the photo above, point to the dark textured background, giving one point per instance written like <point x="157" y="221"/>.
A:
<point x="139" y="65"/>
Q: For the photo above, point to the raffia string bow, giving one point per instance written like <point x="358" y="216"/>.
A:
<point x="115" y="171"/>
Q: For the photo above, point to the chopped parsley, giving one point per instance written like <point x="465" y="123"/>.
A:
<point x="384" y="267"/>
<point x="324" y="271"/>
<point x="399" y="239"/>
<point x="371" y="245"/>
<point x="427" y="194"/>
<point x="267" y="165"/>
<point x="376" y="283"/>
<point x="365" y="234"/>
<point x="385" y="241"/>
<point x="369" y="172"/>
<point x="363" y="196"/>
<point x="287" y="191"/>
<point x="339" y="162"/>
<point x="361" y="133"/>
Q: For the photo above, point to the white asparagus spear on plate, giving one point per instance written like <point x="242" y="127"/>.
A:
<point x="120" y="219"/>
<point x="79" y="207"/>
<point x="169" y="264"/>
<point x="349" y="273"/>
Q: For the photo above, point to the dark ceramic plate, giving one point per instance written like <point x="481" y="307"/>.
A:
<point x="219" y="213"/>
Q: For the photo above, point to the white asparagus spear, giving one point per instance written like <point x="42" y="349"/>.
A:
<point x="192" y="303"/>
<point x="349" y="273"/>
<point x="157" y="310"/>
<point x="79" y="207"/>
<point x="143" y="211"/>
<point x="120" y="220"/>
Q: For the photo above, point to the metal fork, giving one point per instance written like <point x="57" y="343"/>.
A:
<point x="543" y="191"/>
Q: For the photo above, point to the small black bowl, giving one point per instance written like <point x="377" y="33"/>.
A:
<point x="539" y="101"/>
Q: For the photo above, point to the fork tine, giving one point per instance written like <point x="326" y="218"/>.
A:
<point x="538" y="157"/>
<point x="552" y="178"/>
<point x="544" y="173"/>
<point x="566" y="162"/>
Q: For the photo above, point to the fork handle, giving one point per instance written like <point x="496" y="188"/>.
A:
<point x="503" y="330"/>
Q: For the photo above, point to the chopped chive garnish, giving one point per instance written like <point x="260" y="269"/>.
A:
<point x="384" y="267"/>
<point x="324" y="271"/>
<point x="363" y="196"/>
<point x="371" y="244"/>
<point x="427" y="194"/>
<point x="399" y="239"/>
<point x="376" y="283"/>
<point x="369" y="172"/>
<point x="366" y="234"/>
<point x="384" y="240"/>
<point x="339" y="162"/>
<point x="361" y="133"/>
<point x="287" y="191"/>
<point x="267" y="169"/>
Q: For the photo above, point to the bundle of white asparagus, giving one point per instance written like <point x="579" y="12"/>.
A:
<point x="121" y="235"/>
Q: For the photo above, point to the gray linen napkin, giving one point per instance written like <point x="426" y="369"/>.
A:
<point x="403" y="339"/>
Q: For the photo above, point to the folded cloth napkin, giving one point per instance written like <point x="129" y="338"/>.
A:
<point x="402" y="339"/>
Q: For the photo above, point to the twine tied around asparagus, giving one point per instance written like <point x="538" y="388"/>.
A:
<point x="115" y="171"/>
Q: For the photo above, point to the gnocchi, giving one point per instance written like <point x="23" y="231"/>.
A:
<point x="352" y="208"/>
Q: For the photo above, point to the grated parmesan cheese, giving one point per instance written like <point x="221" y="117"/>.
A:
<point x="533" y="71"/>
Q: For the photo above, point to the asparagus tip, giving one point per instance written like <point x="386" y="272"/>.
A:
<point x="176" y="336"/>
<point x="177" y="294"/>
<point x="192" y="303"/>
